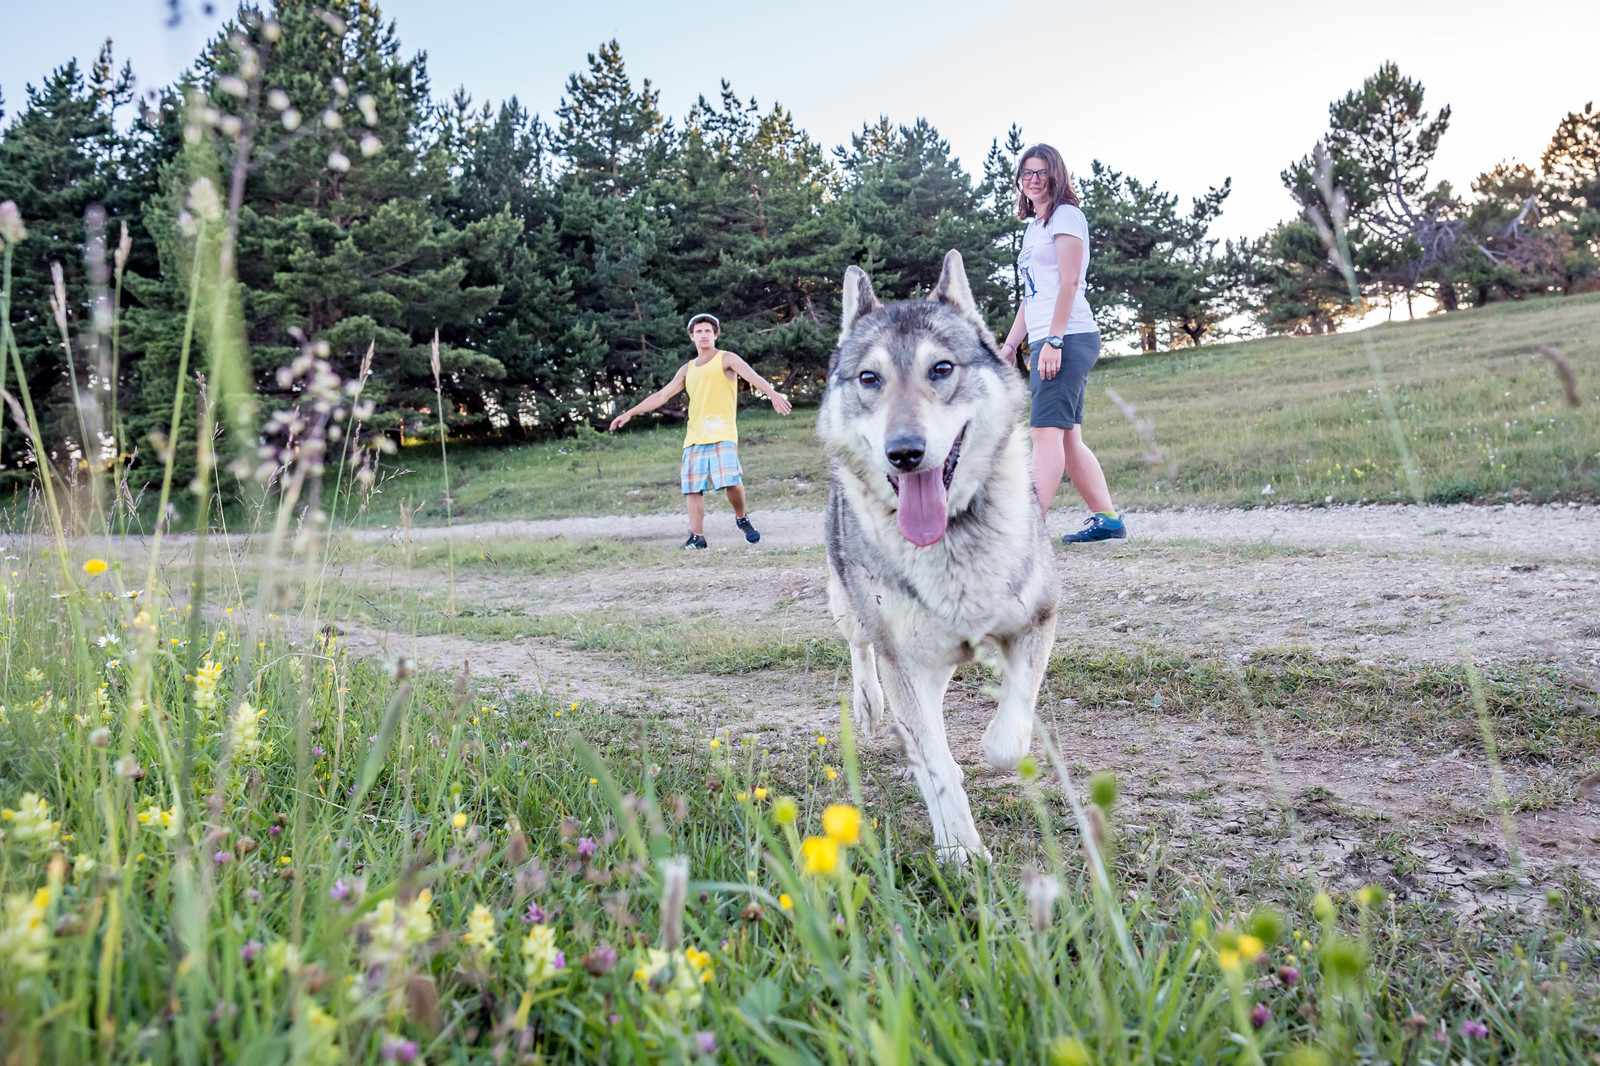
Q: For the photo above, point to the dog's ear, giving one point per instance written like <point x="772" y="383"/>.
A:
<point x="859" y="300"/>
<point x="953" y="288"/>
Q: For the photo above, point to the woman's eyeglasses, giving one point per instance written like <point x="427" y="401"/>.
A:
<point x="1029" y="175"/>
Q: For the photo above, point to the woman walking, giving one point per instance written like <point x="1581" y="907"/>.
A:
<point x="1062" y="338"/>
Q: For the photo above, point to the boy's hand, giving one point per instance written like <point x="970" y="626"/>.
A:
<point x="781" y="404"/>
<point x="620" y="421"/>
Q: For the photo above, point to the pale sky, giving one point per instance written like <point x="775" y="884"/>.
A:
<point x="1182" y="94"/>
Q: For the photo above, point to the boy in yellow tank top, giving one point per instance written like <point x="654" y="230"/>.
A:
<point x="711" y="445"/>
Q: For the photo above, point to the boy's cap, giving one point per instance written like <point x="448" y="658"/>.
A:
<point x="704" y="317"/>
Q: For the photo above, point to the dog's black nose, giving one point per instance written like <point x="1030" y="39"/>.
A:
<point x="905" y="452"/>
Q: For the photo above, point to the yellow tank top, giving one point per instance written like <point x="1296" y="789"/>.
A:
<point x="713" y="404"/>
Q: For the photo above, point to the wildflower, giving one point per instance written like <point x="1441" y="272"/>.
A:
<point x="31" y="822"/>
<point x="587" y="847"/>
<point x="1260" y="1015"/>
<point x="1251" y="947"/>
<point x="716" y="743"/>
<point x="106" y="639"/>
<point x="314" y="1036"/>
<point x="842" y="823"/>
<point x="1473" y="1030"/>
<point x="479" y="936"/>
<point x="741" y="796"/>
<point x="701" y="961"/>
<point x="245" y="736"/>
<point x="394" y="930"/>
<point x="784" y="811"/>
<point x="11" y="228"/>
<point x="820" y="855"/>
<point x="250" y="950"/>
<point x="205" y="686"/>
<point x="601" y="961"/>
<point x="1228" y="959"/>
<point x="100" y="737"/>
<point x="673" y="975"/>
<point x="398" y="1049"/>
<point x="83" y="866"/>
<point x="34" y="674"/>
<point x="340" y="890"/>
<point x="221" y="858"/>
<point x="833" y="775"/>
<point x="706" y="1042"/>
<point x="1069" y="1051"/>
<point x="822" y="740"/>
<point x="541" y="959"/>
<point x="1288" y="975"/>
<point x="574" y="706"/>
<point x="94" y="567"/>
<point x="785" y="901"/>
<point x="535" y="913"/>
<point x="25" y="939"/>
<point x="760" y="793"/>
<point x="1041" y="891"/>
<point x="112" y="664"/>
<point x="460" y="820"/>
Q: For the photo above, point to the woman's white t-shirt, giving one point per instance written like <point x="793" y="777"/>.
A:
<point x="1041" y="274"/>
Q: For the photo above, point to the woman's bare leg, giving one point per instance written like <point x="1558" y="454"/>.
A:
<point x="1084" y="470"/>
<point x="1049" y="460"/>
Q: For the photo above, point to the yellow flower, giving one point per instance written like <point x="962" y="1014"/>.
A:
<point x="701" y="961"/>
<point x="785" y="902"/>
<point x="761" y="793"/>
<point x="594" y="780"/>
<point x="1251" y="947"/>
<point x="715" y="743"/>
<point x="246" y="731"/>
<point x="675" y="976"/>
<point x="314" y="1035"/>
<point x="842" y="823"/>
<point x="1228" y="959"/>
<point x="82" y="866"/>
<point x="741" y="796"/>
<point x="31" y="821"/>
<point x="540" y="957"/>
<point x="822" y="740"/>
<point x="94" y="567"/>
<point x="572" y="708"/>
<point x="460" y="820"/>
<point x="784" y="811"/>
<point x="25" y="938"/>
<point x="479" y="936"/>
<point x="833" y="775"/>
<point x="205" y="686"/>
<point x="820" y="855"/>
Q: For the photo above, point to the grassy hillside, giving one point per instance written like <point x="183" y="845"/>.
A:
<point x="1481" y="409"/>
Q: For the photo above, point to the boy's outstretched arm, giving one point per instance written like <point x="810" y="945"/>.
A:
<point x="654" y="400"/>
<point x="780" y="402"/>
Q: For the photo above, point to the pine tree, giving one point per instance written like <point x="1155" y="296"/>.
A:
<point x="1571" y="174"/>
<point x="61" y="154"/>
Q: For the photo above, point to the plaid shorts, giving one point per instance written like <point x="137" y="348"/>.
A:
<point x="710" y="466"/>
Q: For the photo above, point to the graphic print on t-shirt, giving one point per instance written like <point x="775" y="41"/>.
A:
<point x="1041" y="273"/>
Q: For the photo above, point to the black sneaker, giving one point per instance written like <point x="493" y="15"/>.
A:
<point x="750" y="532"/>
<point x="1098" y="527"/>
<point x="694" y="543"/>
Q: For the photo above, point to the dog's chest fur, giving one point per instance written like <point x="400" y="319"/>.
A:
<point x="991" y="575"/>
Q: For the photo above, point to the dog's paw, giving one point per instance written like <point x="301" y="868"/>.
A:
<point x="1005" y="743"/>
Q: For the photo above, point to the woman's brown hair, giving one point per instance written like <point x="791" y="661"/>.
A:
<point x="1056" y="175"/>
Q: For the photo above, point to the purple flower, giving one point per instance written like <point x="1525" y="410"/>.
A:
<point x="340" y="890"/>
<point x="221" y="857"/>
<point x="587" y="847"/>
<point x="1473" y="1030"/>
<point x="706" y="1041"/>
<point x="559" y="960"/>
<point x="254" y="894"/>
<point x="274" y="830"/>
<point x="399" y="1049"/>
<point x="251" y="949"/>
<point x="535" y="913"/>
<point x="601" y="960"/>
<point x="1259" y="1015"/>
<point x="317" y="751"/>
<point x="316" y="725"/>
<point x="1288" y="975"/>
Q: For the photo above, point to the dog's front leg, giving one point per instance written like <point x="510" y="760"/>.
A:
<point x="916" y="695"/>
<point x="1025" y="657"/>
<point x="866" y="691"/>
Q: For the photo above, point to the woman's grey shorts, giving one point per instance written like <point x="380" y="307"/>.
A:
<point x="1058" y="402"/>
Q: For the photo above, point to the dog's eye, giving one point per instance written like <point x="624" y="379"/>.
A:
<point x="942" y="369"/>
<point x="868" y="379"/>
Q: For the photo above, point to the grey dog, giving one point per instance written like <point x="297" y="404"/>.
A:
<point x="936" y="545"/>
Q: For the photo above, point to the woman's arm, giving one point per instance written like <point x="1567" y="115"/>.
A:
<point x="1069" y="262"/>
<point x="780" y="402"/>
<point x="1013" y="342"/>
<point x="654" y="400"/>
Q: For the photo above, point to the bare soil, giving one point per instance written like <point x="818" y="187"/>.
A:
<point x="1389" y="584"/>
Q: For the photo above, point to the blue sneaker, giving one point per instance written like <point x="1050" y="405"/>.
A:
<point x="747" y="529"/>
<point x="1098" y="527"/>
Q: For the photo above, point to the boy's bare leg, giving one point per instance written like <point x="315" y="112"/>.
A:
<point x="735" y="500"/>
<point x="697" y="512"/>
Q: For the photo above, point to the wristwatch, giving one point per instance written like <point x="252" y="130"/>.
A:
<point x="1054" y="342"/>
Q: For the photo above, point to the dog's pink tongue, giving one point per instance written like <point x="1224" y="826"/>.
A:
<point x="923" y="510"/>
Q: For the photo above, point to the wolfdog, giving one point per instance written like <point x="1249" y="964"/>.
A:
<point x="936" y="546"/>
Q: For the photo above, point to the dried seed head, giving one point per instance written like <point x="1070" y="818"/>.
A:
<point x="58" y="297"/>
<point x="433" y="360"/>
<point x="124" y="248"/>
<point x="674" y="886"/>
<point x="11" y="227"/>
<point x="1041" y="890"/>
<point x="204" y="201"/>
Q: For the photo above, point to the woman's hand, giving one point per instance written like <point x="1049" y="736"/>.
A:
<point x="620" y="421"/>
<point x="1049" y="361"/>
<point x="1008" y="352"/>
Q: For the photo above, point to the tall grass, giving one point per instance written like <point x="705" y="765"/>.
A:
<point x="226" y="839"/>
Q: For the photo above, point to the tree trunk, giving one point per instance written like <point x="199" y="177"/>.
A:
<point x="1447" y="297"/>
